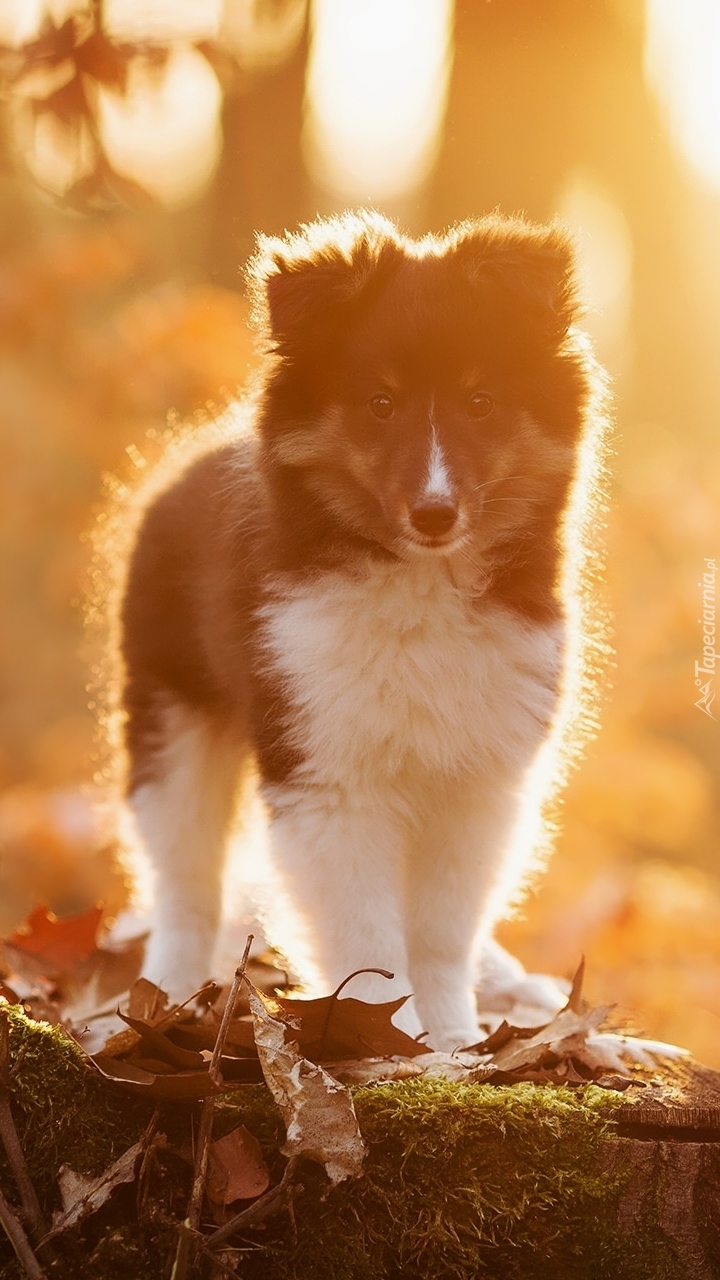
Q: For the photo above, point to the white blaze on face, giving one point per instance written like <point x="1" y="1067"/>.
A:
<point x="438" y="483"/>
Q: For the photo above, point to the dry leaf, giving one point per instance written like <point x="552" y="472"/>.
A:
<point x="157" y="1080"/>
<point x="82" y="1196"/>
<point x="320" y="1120"/>
<point x="147" y="1001"/>
<point x="333" y="1029"/>
<point x="236" y="1169"/>
<point x="374" y="1070"/>
<point x="56" y="945"/>
<point x="565" y="1036"/>
<point x="105" y="1033"/>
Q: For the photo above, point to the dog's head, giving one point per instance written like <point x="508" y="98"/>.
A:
<point x="430" y="394"/>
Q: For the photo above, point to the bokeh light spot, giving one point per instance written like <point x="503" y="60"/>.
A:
<point x="682" y="53"/>
<point x="164" y="133"/>
<point x="375" y="93"/>
<point x="605" y="264"/>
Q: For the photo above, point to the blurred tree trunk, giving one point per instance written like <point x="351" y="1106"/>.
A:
<point x="539" y="91"/>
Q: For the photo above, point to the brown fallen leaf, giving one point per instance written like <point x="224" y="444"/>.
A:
<point x="155" y="1043"/>
<point x="173" y="1086"/>
<point x="82" y="1196"/>
<point x="236" y="1169"/>
<point x="58" y="966"/>
<point x="331" y="1029"/>
<point x="373" y="1070"/>
<point x="319" y="1116"/>
<point x="147" y="1001"/>
<point x="565" y="1036"/>
<point x="56" y="945"/>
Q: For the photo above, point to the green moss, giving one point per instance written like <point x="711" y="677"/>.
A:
<point x="461" y="1181"/>
<point x="63" y="1112"/>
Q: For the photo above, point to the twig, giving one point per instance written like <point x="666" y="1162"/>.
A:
<point x="177" y="1008"/>
<point x="148" y="1141"/>
<point x="182" y="1255"/>
<point x="214" y="1071"/>
<point x="202" y="1152"/>
<point x="19" y="1242"/>
<point x="217" y="1262"/>
<point x="31" y="1210"/>
<point x="215" y="1075"/>
<point x="265" y="1207"/>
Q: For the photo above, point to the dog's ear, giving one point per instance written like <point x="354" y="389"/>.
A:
<point x="300" y="284"/>
<point x="533" y="263"/>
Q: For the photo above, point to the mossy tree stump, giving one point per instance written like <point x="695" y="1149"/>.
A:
<point x="462" y="1181"/>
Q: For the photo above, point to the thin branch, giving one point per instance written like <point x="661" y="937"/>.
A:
<point x="217" y="1262"/>
<point x="19" y="1242"/>
<point x="31" y="1210"/>
<point x="214" y="1071"/>
<point x="215" y="1074"/>
<point x="148" y="1141"/>
<point x="177" y="1008"/>
<point x="202" y="1152"/>
<point x="182" y="1255"/>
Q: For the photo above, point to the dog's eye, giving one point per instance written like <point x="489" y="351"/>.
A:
<point x="480" y="405"/>
<point x="381" y="406"/>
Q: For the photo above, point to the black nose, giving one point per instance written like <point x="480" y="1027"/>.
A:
<point x="434" y="517"/>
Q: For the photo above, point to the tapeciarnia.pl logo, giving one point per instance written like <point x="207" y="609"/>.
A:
<point x="707" y="622"/>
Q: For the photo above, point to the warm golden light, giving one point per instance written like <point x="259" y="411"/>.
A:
<point x="605" y="262"/>
<point x="21" y="20"/>
<point x="261" y="36"/>
<point x="160" y="20"/>
<point x="58" y="155"/>
<point x="164" y="133"/>
<point x="376" y="89"/>
<point x="682" y="55"/>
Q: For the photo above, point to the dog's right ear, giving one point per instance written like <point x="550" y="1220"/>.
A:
<point x="301" y="284"/>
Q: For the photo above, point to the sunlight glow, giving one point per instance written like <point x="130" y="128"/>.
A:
<point x="375" y="93"/>
<point x="21" y="20"/>
<point x="165" y="132"/>
<point x="605" y="264"/>
<point x="161" y="20"/>
<point x="58" y="155"/>
<point x="261" y="36"/>
<point x="682" y="55"/>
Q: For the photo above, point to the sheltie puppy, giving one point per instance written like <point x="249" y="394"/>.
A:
<point x="362" y="599"/>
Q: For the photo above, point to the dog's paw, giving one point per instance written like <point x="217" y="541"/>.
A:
<point x="525" y="999"/>
<point x="617" y="1052"/>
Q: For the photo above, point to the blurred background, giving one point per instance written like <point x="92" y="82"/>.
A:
<point x="142" y="143"/>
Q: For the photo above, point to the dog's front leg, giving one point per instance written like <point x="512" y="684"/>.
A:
<point x="338" y="858"/>
<point x="455" y="889"/>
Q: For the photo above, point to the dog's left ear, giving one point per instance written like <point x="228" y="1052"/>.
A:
<point x="531" y="262"/>
<point x="301" y="284"/>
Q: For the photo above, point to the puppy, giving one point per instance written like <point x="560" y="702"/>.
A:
<point x="362" y="597"/>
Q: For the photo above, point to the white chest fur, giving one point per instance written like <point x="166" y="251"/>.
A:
<point x="394" y="664"/>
